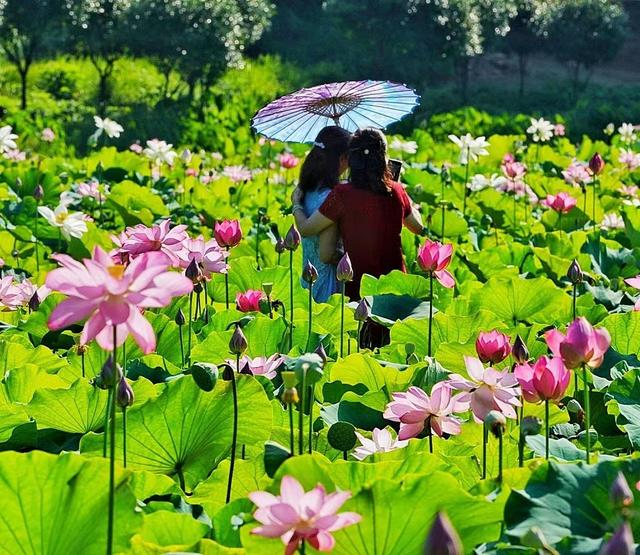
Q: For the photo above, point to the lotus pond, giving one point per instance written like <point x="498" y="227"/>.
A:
<point x="233" y="395"/>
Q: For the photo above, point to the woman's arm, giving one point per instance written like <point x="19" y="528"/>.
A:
<point x="328" y="243"/>
<point x="413" y="222"/>
<point x="314" y="224"/>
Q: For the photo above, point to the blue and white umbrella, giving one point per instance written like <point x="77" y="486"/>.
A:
<point x="299" y="117"/>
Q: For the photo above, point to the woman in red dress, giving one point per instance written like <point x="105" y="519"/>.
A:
<point x="369" y="211"/>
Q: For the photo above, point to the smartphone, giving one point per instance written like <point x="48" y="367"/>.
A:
<point x="395" y="167"/>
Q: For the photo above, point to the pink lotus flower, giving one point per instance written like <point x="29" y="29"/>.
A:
<point x="559" y="130"/>
<point x="259" y="366"/>
<point x="294" y="515"/>
<point x="487" y="390"/>
<point x="433" y="258"/>
<point x="210" y="257"/>
<point x="382" y="441"/>
<point x="629" y="190"/>
<point x="288" y="161"/>
<point x="237" y="173"/>
<point x="508" y="158"/>
<point x="10" y="294"/>
<point x="191" y="172"/>
<point x="161" y="238"/>
<point x="111" y="295"/>
<point x="577" y="174"/>
<point x="249" y="301"/>
<point x="561" y="203"/>
<point x="634" y="282"/>
<point x="228" y="233"/>
<point x="546" y="380"/>
<point x="629" y="159"/>
<point x="92" y="190"/>
<point x="15" y="155"/>
<point x="582" y="345"/>
<point x="48" y="135"/>
<point x="493" y="346"/>
<point x="415" y="410"/>
<point x="513" y="170"/>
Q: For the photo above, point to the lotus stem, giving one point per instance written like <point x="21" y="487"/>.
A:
<point x="311" y="397"/>
<point x="500" y="452"/>
<point x="189" y="328"/>
<point x="485" y="434"/>
<point x="124" y="436"/>
<point x="36" y="240"/>
<point x="112" y="452"/>
<point x="515" y="207"/>
<point x="226" y="286"/>
<point x="82" y="361"/>
<point x="306" y="347"/>
<point x="291" y="299"/>
<point x="430" y="312"/>
<point x="442" y="201"/>
<point x="258" y="241"/>
<point x="301" y="415"/>
<point x="430" y="432"/>
<point x="105" y="442"/>
<point x="546" y="429"/>
<point x="342" y="322"/>
<point x="181" y="346"/>
<point x="521" y="450"/>
<point x="587" y="411"/>
<point x="291" y="434"/>
<point x="358" y="336"/>
<point x="593" y="204"/>
<point x="466" y="182"/>
<point x="234" y="438"/>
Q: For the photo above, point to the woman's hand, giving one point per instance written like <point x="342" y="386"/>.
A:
<point x="297" y="196"/>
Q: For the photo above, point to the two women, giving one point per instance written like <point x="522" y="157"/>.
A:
<point x="367" y="213"/>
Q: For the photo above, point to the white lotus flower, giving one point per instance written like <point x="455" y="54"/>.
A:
<point x="627" y="133"/>
<point x="540" y="130"/>
<point x="382" y="442"/>
<point x="612" y="221"/>
<point x="609" y="129"/>
<point x="470" y="148"/>
<point x="159" y="152"/>
<point x="8" y="139"/>
<point x="111" y="128"/>
<point x="70" y="224"/>
<point x="407" y="147"/>
<point x="479" y="182"/>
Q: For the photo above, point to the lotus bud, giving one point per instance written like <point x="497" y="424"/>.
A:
<point x="38" y="192"/>
<point x="110" y="374"/>
<point x="180" y="318"/>
<point x="530" y="426"/>
<point x="596" y="164"/>
<point x="363" y="311"/>
<point x="292" y="239"/>
<point x="34" y="302"/>
<point x="321" y="352"/>
<point x="574" y="406"/>
<point x="344" y="270"/>
<point x="280" y="248"/>
<point x="496" y="422"/>
<point x="267" y="288"/>
<point x="620" y="493"/>
<point x="238" y="343"/>
<point x="574" y="273"/>
<point x="264" y="305"/>
<point x="519" y="350"/>
<point x="193" y="271"/>
<point x="124" y="395"/>
<point x="186" y="156"/>
<point x="309" y="273"/>
<point x="443" y="538"/>
<point x="621" y="543"/>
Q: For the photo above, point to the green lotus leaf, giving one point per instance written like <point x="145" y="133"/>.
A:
<point x="166" y="532"/>
<point x="186" y="432"/>
<point x="58" y="504"/>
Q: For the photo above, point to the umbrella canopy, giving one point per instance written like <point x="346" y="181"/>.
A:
<point x="298" y="117"/>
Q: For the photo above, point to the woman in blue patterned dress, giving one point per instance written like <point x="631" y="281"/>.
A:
<point x="320" y="172"/>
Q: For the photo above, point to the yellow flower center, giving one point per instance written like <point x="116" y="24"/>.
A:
<point x="116" y="271"/>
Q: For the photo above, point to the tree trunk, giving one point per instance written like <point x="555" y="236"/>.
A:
<point x="522" y="68"/>
<point x="23" y="87"/>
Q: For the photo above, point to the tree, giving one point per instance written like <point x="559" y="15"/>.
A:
<point x="99" y="29"/>
<point x="526" y="34"/>
<point x="197" y="38"/>
<point x="584" y="33"/>
<point x="29" y="29"/>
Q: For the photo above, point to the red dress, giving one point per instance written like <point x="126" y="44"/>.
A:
<point x="370" y="225"/>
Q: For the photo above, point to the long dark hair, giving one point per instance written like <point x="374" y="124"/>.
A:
<point x="321" y="167"/>
<point x="368" y="161"/>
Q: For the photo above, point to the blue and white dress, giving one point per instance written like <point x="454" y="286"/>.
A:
<point x="326" y="284"/>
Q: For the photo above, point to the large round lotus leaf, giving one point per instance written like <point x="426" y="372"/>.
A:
<point x="58" y="505"/>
